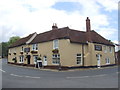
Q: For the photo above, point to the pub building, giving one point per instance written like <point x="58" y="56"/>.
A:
<point x="63" y="48"/>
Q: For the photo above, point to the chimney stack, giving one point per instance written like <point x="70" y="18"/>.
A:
<point x="54" y="27"/>
<point x="88" y="27"/>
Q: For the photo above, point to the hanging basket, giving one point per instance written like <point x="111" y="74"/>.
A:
<point x="21" y="52"/>
<point x="55" y="51"/>
<point x="34" y="52"/>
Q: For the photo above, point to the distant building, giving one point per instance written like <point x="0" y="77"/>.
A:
<point x="63" y="48"/>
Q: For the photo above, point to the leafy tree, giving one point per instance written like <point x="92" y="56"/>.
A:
<point x="4" y="49"/>
<point x="4" y="46"/>
<point x="13" y="39"/>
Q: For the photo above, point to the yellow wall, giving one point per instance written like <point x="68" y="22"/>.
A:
<point x="92" y="54"/>
<point x="68" y="52"/>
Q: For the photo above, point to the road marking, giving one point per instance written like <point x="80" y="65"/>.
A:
<point x="78" y="77"/>
<point x="2" y="70"/>
<point x="31" y="77"/>
<point x="88" y="76"/>
<point x="24" y="76"/>
<point x="99" y="75"/>
<point x="16" y="75"/>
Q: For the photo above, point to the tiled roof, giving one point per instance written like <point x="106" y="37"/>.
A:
<point x="21" y="41"/>
<point x="51" y="35"/>
<point x="96" y="38"/>
<point x="75" y="36"/>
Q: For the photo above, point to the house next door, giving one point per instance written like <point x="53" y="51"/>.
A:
<point x="98" y="60"/>
<point x="45" y="61"/>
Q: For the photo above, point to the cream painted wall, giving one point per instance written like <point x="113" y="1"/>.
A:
<point x="108" y="54"/>
<point x="68" y="52"/>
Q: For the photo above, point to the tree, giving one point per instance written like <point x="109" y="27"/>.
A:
<point x="4" y="49"/>
<point x="4" y="46"/>
<point x="13" y="39"/>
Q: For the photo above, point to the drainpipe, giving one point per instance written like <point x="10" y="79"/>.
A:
<point x="82" y="54"/>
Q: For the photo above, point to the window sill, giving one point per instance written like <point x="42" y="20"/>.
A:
<point x="79" y="64"/>
<point x="55" y="64"/>
<point x="21" y="62"/>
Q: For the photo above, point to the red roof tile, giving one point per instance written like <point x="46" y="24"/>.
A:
<point x="21" y="41"/>
<point x="75" y="36"/>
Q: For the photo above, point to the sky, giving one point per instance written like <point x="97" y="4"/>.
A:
<point x="23" y="17"/>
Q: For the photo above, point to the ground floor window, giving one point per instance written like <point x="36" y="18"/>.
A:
<point x="56" y="58"/>
<point x="21" y="59"/>
<point x="107" y="60"/>
<point x="35" y="58"/>
<point x="79" y="59"/>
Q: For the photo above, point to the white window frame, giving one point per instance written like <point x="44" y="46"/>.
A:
<point x="107" y="61"/>
<point x="55" y="44"/>
<point x="79" y="62"/>
<point x="110" y="49"/>
<point x="14" y="50"/>
<point x="45" y="58"/>
<point x="55" y="60"/>
<point x="105" y="49"/>
<point x="35" y="59"/>
<point x="35" y="47"/>
<point x="21" y="59"/>
<point x="9" y="51"/>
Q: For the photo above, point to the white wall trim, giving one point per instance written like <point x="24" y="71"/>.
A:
<point x="31" y="38"/>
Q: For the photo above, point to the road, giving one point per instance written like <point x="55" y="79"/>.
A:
<point x="22" y="77"/>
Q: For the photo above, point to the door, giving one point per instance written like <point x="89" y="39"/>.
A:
<point x="45" y="61"/>
<point x="98" y="60"/>
<point x="28" y="59"/>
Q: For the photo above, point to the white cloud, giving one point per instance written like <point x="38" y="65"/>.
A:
<point x="107" y="32"/>
<point x="22" y="17"/>
<point x="109" y="5"/>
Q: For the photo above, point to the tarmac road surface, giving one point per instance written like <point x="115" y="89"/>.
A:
<point x="22" y="77"/>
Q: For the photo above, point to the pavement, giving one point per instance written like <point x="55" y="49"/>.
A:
<point x="22" y="77"/>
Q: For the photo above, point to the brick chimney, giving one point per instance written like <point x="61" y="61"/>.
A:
<point x="54" y="27"/>
<point x="88" y="27"/>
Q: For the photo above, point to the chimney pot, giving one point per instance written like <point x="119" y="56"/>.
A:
<point x="54" y="27"/>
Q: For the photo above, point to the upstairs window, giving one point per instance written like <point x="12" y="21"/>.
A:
<point x="35" y="47"/>
<point x="9" y="51"/>
<point x="105" y="49"/>
<point x="110" y="49"/>
<point x="55" y="44"/>
<point x="79" y="59"/>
